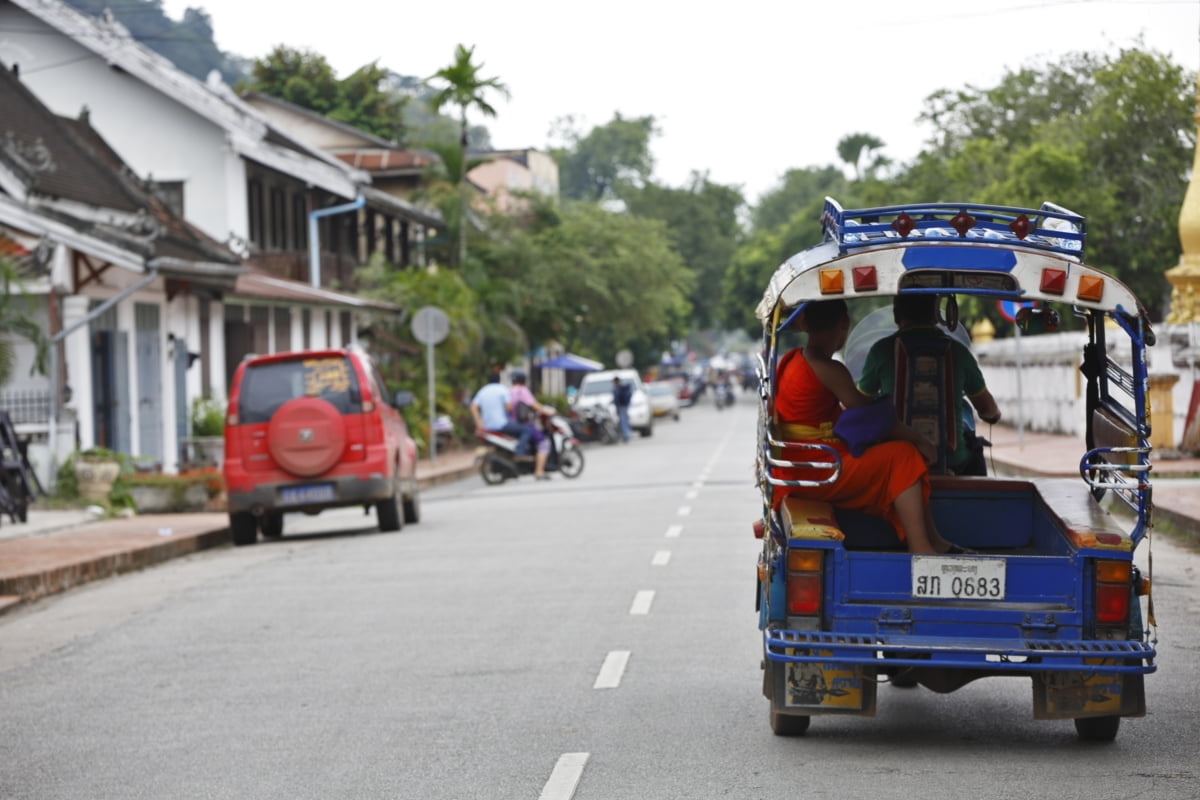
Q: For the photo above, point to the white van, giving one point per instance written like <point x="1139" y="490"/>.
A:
<point x="596" y="389"/>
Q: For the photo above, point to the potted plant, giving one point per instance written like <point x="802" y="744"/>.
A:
<point x="208" y="431"/>
<point x="155" y="493"/>
<point x="96" y="469"/>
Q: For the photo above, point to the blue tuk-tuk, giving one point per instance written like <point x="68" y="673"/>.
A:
<point x="1048" y="589"/>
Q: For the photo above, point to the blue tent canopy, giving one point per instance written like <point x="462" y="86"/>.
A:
<point x="570" y="361"/>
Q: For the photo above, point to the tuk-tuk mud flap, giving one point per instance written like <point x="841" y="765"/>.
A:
<point x="822" y="687"/>
<point x="1074" y="695"/>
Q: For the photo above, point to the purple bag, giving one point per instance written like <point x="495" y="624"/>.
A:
<point x="862" y="427"/>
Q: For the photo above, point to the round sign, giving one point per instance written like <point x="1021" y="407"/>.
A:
<point x="624" y="359"/>
<point x="1009" y="308"/>
<point x="430" y="325"/>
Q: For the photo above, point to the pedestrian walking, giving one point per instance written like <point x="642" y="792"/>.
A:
<point x="622" y="397"/>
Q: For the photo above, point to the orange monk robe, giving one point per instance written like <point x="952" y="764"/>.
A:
<point x="806" y="411"/>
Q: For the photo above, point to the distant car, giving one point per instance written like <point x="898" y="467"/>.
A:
<point x="596" y="389"/>
<point x="664" y="398"/>
<point x="315" y="429"/>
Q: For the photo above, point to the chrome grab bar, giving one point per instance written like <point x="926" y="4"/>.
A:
<point x="835" y="465"/>
<point x="1090" y="472"/>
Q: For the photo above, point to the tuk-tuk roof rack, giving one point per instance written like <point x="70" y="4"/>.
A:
<point x="1051" y="228"/>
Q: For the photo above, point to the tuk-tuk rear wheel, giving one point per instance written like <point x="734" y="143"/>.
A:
<point x="788" y="724"/>
<point x="1097" y="729"/>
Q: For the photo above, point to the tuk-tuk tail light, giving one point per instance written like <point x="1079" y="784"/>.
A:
<point x="804" y="584"/>
<point x="1113" y="592"/>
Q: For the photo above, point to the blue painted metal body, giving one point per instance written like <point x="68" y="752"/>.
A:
<point x="1046" y="621"/>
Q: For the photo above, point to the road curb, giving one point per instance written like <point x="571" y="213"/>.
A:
<point x="26" y="588"/>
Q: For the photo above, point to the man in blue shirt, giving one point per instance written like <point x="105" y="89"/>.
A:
<point x="491" y="409"/>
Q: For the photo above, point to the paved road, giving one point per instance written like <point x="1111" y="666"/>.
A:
<point x="591" y="639"/>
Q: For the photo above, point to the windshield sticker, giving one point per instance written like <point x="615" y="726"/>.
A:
<point x="325" y="375"/>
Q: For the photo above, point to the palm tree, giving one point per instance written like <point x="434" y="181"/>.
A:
<point x="855" y="148"/>
<point x="463" y="87"/>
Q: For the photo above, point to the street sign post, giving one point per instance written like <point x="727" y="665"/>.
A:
<point x="430" y="326"/>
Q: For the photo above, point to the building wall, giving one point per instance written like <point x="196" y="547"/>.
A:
<point x="1047" y="392"/>
<point x="156" y="136"/>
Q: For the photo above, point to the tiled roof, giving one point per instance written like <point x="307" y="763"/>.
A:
<point x="379" y="159"/>
<point x="259" y="285"/>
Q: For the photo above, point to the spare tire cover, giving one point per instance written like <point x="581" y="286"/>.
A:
<point x="306" y="436"/>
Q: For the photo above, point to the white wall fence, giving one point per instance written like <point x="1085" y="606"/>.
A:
<point x="1047" y="393"/>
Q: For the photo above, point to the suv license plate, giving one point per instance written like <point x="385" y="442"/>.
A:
<point x="302" y="495"/>
<point x="958" y="577"/>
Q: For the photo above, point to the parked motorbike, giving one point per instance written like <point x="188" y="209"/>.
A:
<point x="498" y="459"/>
<point x="595" y="424"/>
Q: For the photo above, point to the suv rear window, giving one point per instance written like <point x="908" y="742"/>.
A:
<point x="265" y="387"/>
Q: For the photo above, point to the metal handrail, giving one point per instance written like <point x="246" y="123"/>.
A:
<point x="835" y="465"/>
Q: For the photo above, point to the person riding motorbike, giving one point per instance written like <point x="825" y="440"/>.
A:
<point x="527" y="411"/>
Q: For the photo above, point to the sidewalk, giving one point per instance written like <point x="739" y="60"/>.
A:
<point x="55" y="550"/>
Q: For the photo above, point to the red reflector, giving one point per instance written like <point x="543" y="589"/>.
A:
<point x="758" y="529"/>
<point x="1112" y="603"/>
<point x="865" y="279"/>
<point x="1020" y="226"/>
<point x="804" y="595"/>
<point x="1054" y="281"/>
<point x="903" y="224"/>
<point x="962" y="222"/>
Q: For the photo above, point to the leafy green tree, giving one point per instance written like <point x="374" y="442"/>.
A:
<point x="464" y="88"/>
<point x="305" y="78"/>
<point x="589" y="277"/>
<point x="598" y="165"/>
<point x="301" y="77"/>
<point x="1110" y="137"/>
<point x="364" y="102"/>
<point x="702" y="222"/>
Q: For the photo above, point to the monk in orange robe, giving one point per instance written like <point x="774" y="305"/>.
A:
<point x="888" y="479"/>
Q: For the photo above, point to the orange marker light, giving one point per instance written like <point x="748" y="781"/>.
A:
<point x="865" y="279"/>
<point x="1091" y="288"/>
<point x="832" y="281"/>
<point x="804" y="560"/>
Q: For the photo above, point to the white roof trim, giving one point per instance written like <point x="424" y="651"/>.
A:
<point x="218" y="104"/>
<point x="24" y="219"/>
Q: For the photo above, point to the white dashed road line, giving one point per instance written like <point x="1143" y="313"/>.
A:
<point x="612" y="670"/>
<point x="674" y="531"/>
<point x="684" y="511"/>
<point x="641" y="602"/>
<point x="564" y="780"/>
<point x="661" y="558"/>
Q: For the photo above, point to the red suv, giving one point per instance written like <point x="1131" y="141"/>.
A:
<point x="311" y="430"/>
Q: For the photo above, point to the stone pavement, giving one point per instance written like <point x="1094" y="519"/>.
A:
<point x="56" y="550"/>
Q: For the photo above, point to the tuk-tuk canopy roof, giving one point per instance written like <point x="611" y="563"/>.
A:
<point x="948" y="248"/>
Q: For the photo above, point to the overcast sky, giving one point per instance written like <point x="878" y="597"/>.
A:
<point x="743" y="90"/>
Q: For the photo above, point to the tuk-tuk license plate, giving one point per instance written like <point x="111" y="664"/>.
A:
<point x="958" y="577"/>
<point x="300" y="495"/>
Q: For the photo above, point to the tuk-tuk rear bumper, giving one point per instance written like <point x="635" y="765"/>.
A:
<point x="1022" y="656"/>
